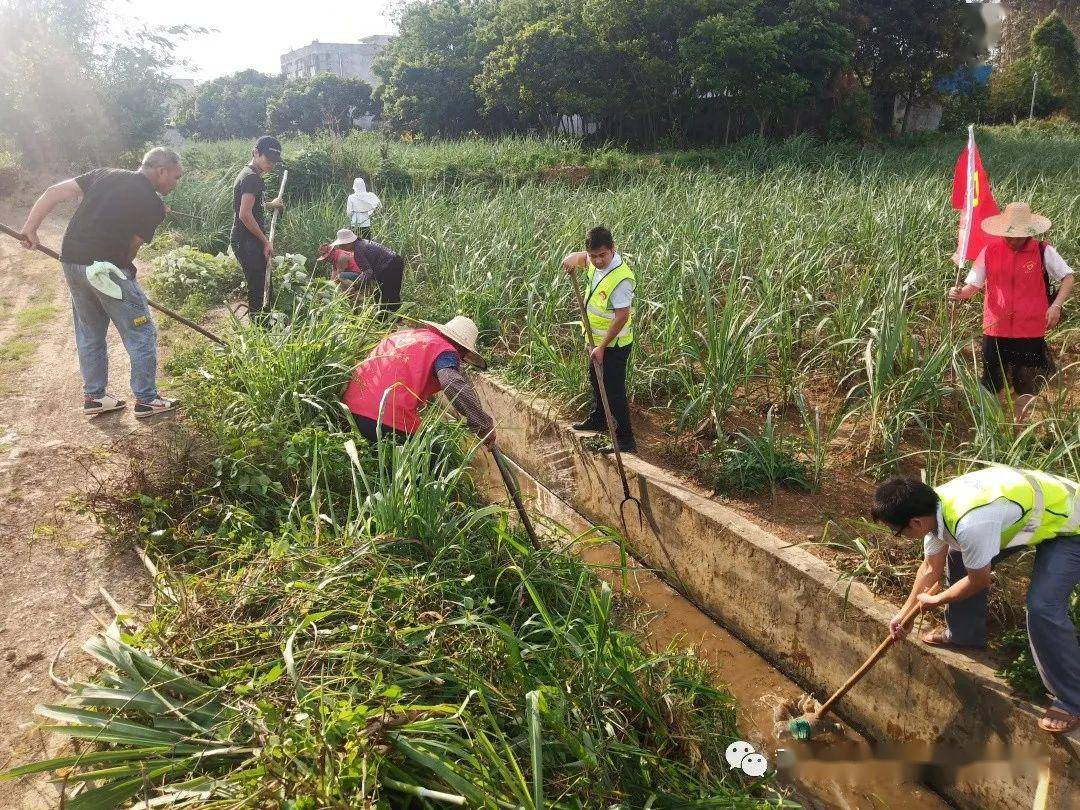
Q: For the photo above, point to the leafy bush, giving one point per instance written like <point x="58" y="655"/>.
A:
<point x="296" y="291"/>
<point x="192" y="281"/>
<point x="315" y="169"/>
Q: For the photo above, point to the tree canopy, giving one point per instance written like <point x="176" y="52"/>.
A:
<point x="320" y="103"/>
<point x="75" y="92"/>
<point x="232" y="106"/>
<point x="646" y="70"/>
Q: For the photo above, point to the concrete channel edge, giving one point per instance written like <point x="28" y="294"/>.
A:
<point x="792" y="609"/>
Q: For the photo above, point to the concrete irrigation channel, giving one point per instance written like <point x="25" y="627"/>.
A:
<point x="977" y="741"/>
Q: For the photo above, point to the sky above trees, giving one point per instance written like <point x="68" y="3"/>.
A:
<point x="254" y="33"/>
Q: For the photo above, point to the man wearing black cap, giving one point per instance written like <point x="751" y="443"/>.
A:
<point x="249" y="239"/>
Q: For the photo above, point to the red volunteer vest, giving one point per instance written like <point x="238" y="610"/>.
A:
<point x="401" y="368"/>
<point x="337" y="253"/>
<point x="1015" y="296"/>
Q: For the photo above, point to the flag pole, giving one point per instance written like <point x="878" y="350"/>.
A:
<point x="965" y="235"/>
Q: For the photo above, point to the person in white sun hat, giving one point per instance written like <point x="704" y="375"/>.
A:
<point x="406" y="370"/>
<point x="360" y="205"/>
<point x="1017" y="273"/>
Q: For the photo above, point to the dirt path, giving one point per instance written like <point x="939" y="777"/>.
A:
<point x="52" y="559"/>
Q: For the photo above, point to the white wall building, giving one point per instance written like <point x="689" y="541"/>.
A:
<point x="350" y="60"/>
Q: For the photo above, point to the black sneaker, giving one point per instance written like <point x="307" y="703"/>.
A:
<point x="590" y="425"/>
<point x="93" y="407"/>
<point x="159" y="405"/>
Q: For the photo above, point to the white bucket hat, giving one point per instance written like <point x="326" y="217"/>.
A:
<point x="344" y="237"/>
<point x="461" y="331"/>
<point x="1017" y="220"/>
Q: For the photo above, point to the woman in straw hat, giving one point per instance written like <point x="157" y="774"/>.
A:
<point x="362" y="264"/>
<point x="1015" y="271"/>
<point x="407" y="369"/>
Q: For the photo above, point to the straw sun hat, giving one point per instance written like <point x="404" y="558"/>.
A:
<point x="344" y="237"/>
<point x="462" y="332"/>
<point x="1017" y="220"/>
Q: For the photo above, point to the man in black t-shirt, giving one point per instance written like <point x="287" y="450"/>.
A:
<point x="249" y="239"/>
<point x="119" y="211"/>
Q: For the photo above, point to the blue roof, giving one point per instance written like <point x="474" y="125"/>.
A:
<point x="964" y="79"/>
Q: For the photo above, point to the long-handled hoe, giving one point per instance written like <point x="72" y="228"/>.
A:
<point x="176" y="316"/>
<point x="273" y="229"/>
<point x="805" y="717"/>
<point x="515" y="495"/>
<point x="627" y="497"/>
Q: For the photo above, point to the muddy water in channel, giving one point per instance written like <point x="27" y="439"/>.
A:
<point x="753" y="682"/>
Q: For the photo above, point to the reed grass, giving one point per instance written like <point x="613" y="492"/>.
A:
<point x="337" y="626"/>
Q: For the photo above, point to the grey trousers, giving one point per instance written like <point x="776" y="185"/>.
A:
<point x="1051" y="631"/>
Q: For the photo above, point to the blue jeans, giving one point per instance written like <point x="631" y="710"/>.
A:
<point x="93" y="312"/>
<point x="1052" y="634"/>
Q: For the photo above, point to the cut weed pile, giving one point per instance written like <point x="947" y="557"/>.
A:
<point x="343" y="627"/>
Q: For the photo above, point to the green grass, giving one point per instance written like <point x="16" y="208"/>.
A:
<point x="337" y="626"/>
<point x="801" y="279"/>
<point x="15" y="355"/>
<point x="32" y="316"/>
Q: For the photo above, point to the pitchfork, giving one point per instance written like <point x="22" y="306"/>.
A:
<point x="627" y="497"/>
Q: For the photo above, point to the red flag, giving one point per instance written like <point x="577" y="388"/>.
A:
<point x="974" y="199"/>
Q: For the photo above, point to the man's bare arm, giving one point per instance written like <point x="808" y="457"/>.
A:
<point x="50" y="198"/>
<point x="247" y="203"/>
<point x="133" y="248"/>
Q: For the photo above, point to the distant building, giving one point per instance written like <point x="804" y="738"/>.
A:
<point x="346" y="59"/>
<point x="179" y="89"/>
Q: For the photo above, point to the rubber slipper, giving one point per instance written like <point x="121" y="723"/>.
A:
<point x="1072" y="721"/>
<point x="941" y="638"/>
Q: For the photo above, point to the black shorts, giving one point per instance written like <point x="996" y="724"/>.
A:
<point x="1023" y="363"/>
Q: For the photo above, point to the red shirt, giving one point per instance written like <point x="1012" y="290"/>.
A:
<point x="397" y="378"/>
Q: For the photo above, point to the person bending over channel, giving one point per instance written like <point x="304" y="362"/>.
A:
<point x="118" y="212"/>
<point x="406" y="370"/>
<point x="971" y="523"/>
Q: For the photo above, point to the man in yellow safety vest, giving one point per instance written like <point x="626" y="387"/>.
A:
<point x="970" y="523"/>
<point x="609" y="306"/>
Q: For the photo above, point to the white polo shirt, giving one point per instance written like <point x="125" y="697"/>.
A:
<point x="978" y="534"/>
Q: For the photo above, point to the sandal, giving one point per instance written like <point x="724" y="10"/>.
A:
<point x="941" y="638"/>
<point x="1068" y="722"/>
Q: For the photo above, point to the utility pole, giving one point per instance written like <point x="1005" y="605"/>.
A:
<point x="1034" y="83"/>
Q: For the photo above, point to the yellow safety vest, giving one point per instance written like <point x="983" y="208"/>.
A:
<point x="1051" y="507"/>
<point x="598" y="304"/>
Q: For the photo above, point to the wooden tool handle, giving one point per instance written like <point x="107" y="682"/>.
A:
<point x="882" y="648"/>
<point x="515" y="496"/>
<point x="14" y="234"/>
<point x="176" y="316"/>
<point x="273" y="229"/>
